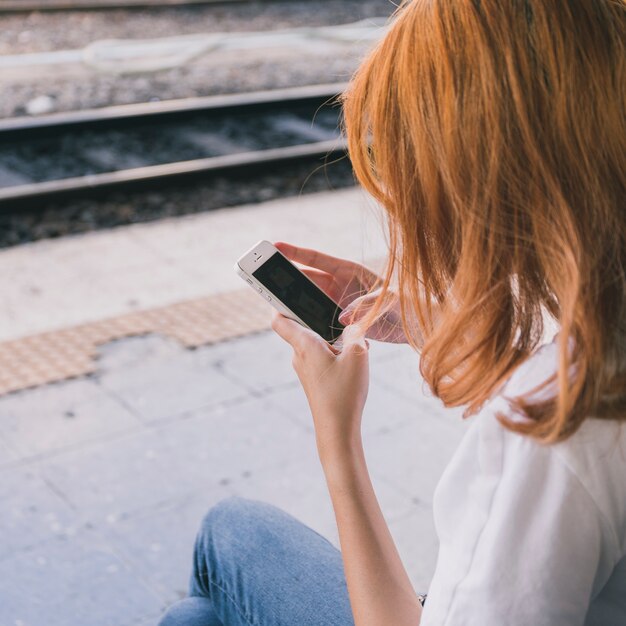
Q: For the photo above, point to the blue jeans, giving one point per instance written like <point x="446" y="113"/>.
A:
<point x="255" y="565"/>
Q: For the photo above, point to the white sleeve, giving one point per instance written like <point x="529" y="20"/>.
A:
<point x="521" y="538"/>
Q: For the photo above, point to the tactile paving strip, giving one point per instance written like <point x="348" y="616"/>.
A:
<point x="59" y="355"/>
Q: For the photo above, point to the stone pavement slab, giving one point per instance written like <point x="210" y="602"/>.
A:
<point x="32" y="512"/>
<point x="131" y="473"/>
<point x="77" y="582"/>
<point x="8" y="455"/>
<point x="100" y="508"/>
<point x="160" y="388"/>
<point x="260" y="364"/>
<point x="42" y="421"/>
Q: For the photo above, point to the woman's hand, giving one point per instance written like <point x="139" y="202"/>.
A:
<point x="348" y="284"/>
<point x="335" y="380"/>
<point x="387" y="327"/>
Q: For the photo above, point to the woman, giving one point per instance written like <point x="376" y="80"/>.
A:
<point x="493" y="133"/>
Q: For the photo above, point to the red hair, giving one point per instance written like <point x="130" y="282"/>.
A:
<point x="493" y="132"/>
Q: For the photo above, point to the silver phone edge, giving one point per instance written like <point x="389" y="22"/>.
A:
<point x="276" y="303"/>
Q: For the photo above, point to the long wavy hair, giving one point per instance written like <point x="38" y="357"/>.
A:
<point x="493" y="132"/>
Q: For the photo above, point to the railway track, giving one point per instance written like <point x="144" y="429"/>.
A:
<point x="94" y="153"/>
<point x="24" y="6"/>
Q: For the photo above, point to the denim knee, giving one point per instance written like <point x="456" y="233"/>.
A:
<point x="227" y="539"/>
<point x="224" y="519"/>
<point x="225" y="513"/>
<point x="190" y="612"/>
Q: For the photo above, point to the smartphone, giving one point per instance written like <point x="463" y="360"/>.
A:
<point x="290" y="291"/>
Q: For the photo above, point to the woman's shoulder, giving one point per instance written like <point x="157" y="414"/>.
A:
<point x="531" y="379"/>
<point x="594" y="456"/>
<point x="593" y="459"/>
<point x="596" y="442"/>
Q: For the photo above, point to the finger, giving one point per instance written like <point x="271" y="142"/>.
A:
<point x="323" y="280"/>
<point x="345" y="317"/>
<point x="383" y="330"/>
<point x="353" y="340"/>
<point x="289" y="330"/>
<point x="334" y="349"/>
<point x="386" y="327"/>
<point x="313" y="258"/>
<point x="358" y="308"/>
<point x="297" y="335"/>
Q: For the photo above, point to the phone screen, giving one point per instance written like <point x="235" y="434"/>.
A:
<point x="303" y="297"/>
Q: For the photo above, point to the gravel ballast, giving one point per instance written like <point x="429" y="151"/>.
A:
<point x="44" y="32"/>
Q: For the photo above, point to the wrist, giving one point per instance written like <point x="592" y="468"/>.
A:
<point x="337" y="433"/>
<point x="342" y="460"/>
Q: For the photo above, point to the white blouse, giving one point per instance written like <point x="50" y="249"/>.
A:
<point x="531" y="535"/>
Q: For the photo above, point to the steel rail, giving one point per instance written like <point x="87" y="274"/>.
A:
<point x="136" y="178"/>
<point x="16" y="128"/>
<point x="25" y="6"/>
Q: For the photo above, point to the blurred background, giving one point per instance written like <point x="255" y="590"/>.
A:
<point x="144" y="146"/>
